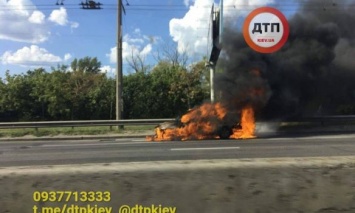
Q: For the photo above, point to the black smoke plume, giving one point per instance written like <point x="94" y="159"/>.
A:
<point x="313" y="74"/>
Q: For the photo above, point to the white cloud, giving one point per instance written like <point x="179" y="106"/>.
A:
<point x="112" y="55"/>
<point x="146" y="50"/>
<point x="18" y="23"/>
<point x="74" y="25"/>
<point x="31" y="56"/>
<point x="128" y="49"/>
<point x="133" y="40"/>
<point x="237" y="8"/>
<point x="191" y="32"/>
<point x="108" y="69"/>
<point x="67" y="56"/>
<point x="136" y="44"/>
<point x="59" y="17"/>
<point x="187" y="2"/>
<point x="37" y="17"/>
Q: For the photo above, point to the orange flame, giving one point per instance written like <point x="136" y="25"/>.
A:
<point x="204" y="122"/>
<point x="209" y="121"/>
<point x="247" y="123"/>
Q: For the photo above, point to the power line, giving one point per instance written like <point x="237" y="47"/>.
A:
<point x="172" y="9"/>
<point x="205" y="6"/>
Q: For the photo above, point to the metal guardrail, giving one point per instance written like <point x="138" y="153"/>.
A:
<point x="45" y="124"/>
<point x="330" y="118"/>
<point x="335" y="118"/>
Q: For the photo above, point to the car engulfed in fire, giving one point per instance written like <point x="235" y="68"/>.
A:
<point x="209" y="121"/>
<point x="222" y="131"/>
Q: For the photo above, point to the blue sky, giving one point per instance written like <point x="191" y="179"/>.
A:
<point x="38" y="33"/>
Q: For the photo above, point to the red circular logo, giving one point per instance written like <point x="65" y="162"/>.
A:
<point x="266" y="30"/>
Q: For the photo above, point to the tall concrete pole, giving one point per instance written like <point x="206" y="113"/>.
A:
<point x="212" y="71"/>
<point x="119" y="101"/>
<point x="220" y="22"/>
<point x="213" y="66"/>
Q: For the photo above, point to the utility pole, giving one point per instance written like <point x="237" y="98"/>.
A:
<point x="119" y="76"/>
<point x="220" y="22"/>
<point x="217" y="29"/>
<point x="97" y="5"/>
<point x="212" y="72"/>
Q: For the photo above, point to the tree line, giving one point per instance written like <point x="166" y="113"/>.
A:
<point x="82" y="92"/>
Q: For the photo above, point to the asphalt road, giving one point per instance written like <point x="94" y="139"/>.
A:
<point x="57" y="152"/>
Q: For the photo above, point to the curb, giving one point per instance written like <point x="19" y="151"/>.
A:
<point x="262" y="134"/>
<point x="86" y="137"/>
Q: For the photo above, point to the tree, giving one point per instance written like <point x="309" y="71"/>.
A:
<point x="137" y="95"/>
<point x="101" y="98"/>
<point x="86" y="65"/>
<point x="192" y="83"/>
<point x="16" y="98"/>
<point x="6" y="114"/>
<point x="167" y="91"/>
<point x="58" y="95"/>
<point x="38" y="79"/>
<point x="170" y="53"/>
<point x="137" y="62"/>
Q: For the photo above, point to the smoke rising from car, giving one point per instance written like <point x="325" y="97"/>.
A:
<point x="313" y="74"/>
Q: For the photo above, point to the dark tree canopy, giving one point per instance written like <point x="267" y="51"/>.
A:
<point x="86" y="65"/>
<point x="85" y="93"/>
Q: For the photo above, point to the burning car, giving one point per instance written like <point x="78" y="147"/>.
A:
<point x="209" y="121"/>
<point x="222" y="131"/>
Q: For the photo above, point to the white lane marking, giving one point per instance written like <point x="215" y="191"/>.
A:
<point x="330" y="137"/>
<point x="203" y="148"/>
<point x="314" y="137"/>
<point x="124" y="139"/>
<point x="139" y="140"/>
<point x="278" y="139"/>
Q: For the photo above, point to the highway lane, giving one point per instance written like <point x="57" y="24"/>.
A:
<point x="56" y="152"/>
